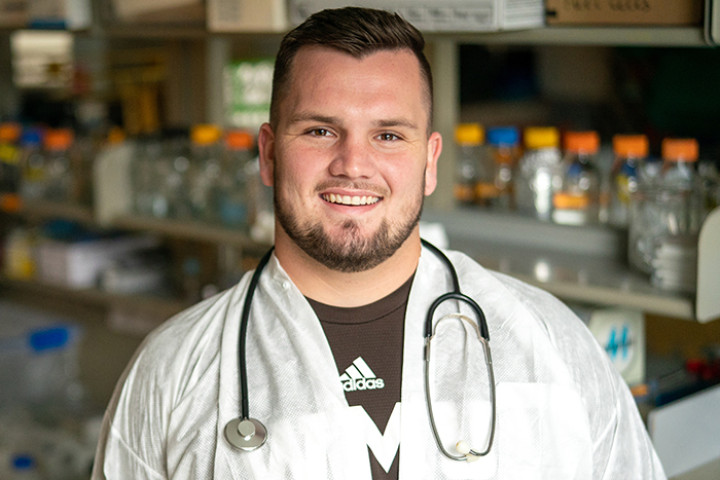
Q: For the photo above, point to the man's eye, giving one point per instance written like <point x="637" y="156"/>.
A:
<point x="320" y="132"/>
<point x="388" y="137"/>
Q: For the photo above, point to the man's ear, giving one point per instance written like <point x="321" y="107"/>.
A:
<point x="434" y="149"/>
<point x="266" y="150"/>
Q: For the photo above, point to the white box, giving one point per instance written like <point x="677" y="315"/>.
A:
<point x="443" y="15"/>
<point x="246" y="16"/>
<point x="686" y="433"/>
<point x="79" y="264"/>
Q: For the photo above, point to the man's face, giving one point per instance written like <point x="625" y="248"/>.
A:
<point x="350" y="157"/>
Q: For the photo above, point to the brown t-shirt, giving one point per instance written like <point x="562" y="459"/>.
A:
<point x="367" y="343"/>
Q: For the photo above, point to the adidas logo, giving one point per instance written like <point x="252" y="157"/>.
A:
<point x="359" y="376"/>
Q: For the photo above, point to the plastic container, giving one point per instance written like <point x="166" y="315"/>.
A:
<point x="577" y="201"/>
<point x="504" y="145"/>
<point x="631" y="152"/>
<point x="539" y="174"/>
<point x="19" y="262"/>
<point x="39" y="355"/>
<point x="469" y="138"/>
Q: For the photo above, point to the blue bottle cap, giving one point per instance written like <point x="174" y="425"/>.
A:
<point x="503" y="136"/>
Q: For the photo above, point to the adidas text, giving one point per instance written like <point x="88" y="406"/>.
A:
<point x="353" y="385"/>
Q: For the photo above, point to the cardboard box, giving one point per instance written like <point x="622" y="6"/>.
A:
<point x="443" y="15"/>
<point x="246" y="16"/>
<point x="13" y="13"/>
<point x="159" y="11"/>
<point x="624" y="12"/>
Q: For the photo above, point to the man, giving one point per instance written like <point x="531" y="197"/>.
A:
<point x="335" y="342"/>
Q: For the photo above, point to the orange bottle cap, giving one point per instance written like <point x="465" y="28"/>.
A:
<point x="58" y="138"/>
<point x="631" y="145"/>
<point x="239" y="140"/>
<point x="9" y="132"/>
<point x="680" y="149"/>
<point x="566" y="200"/>
<point x="582" y="142"/>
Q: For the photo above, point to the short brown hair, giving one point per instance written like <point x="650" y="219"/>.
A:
<point x="353" y="30"/>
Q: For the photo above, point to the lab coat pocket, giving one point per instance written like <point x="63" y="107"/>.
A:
<point x="542" y="432"/>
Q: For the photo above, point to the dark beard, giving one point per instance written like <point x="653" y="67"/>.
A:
<point x="353" y="254"/>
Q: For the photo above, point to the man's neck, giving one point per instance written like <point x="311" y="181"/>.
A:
<point x="341" y="289"/>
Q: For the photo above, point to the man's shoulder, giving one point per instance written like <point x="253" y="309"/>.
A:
<point x="188" y="341"/>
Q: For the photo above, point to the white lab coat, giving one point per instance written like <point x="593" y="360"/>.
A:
<point x="563" y="412"/>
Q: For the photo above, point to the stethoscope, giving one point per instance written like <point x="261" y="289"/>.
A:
<point x="247" y="434"/>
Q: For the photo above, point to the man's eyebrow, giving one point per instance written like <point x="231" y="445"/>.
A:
<point x="397" y="122"/>
<point x="313" y="117"/>
<point x="330" y="120"/>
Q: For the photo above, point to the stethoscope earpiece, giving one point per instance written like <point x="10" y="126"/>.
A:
<point x="245" y="434"/>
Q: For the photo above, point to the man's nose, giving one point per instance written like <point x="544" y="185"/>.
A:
<point x="354" y="158"/>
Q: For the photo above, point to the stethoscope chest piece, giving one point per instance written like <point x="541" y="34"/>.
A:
<point x="245" y="433"/>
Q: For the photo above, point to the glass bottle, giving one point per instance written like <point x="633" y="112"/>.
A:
<point x="60" y="183"/>
<point x="469" y="138"/>
<point x="174" y="166"/>
<point x="204" y="172"/>
<point x="630" y="153"/>
<point x="539" y="173"/>
<point x="665" y="218"/>
<point x="9" y="157"/>
<point x="32" y="164"/>
<point x="144" y="177"/>
<point x="577" y="201"/>
<point x="505" y="152"/>
<point x="680" y="157"/>
<point x="234" y="199"/>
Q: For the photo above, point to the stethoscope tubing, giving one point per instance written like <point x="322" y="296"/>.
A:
<point x="236" y="430"/>
<point x="244" y="320"/>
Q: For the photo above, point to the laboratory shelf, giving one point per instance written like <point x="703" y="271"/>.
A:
<point x="188" y="230"/>
<point x="157" y="306"/>
<point x="590" y="36"/>
<point x="42" y="210"/>
<point x="578" y="264"/>
<point x="180" y="229"/>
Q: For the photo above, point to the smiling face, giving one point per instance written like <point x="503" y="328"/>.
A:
<point x="350" y="158"/>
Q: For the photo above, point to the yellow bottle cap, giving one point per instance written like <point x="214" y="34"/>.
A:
<point x="205" y="134"/>
<point x="541" y="137"/>
<point x="469" y="134"/>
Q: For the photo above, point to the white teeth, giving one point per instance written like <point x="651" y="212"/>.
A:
<point x="350" y="200"/>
